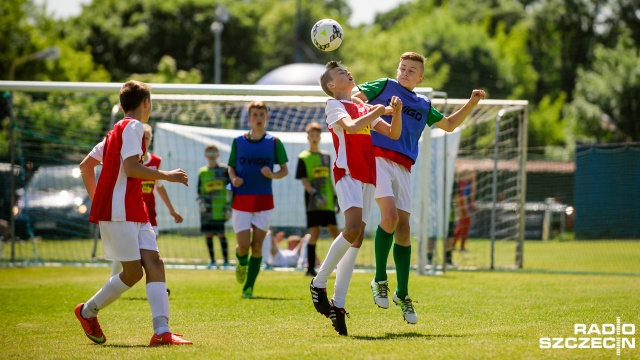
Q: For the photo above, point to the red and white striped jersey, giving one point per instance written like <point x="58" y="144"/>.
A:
<point x="354" y="152"/>
<point x="118" y="197"/>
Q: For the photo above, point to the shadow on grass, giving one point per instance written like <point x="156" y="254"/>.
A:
<point x="391" y="336"/>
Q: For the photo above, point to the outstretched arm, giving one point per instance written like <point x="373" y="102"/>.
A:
<point x="450" y="123"/>
<point x="134" y="169"/>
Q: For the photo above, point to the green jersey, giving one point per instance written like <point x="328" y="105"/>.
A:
<point x="212" y="191"/>
<point x="316" y="168"/>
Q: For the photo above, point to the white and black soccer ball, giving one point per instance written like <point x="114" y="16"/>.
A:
<point x="327" y="35"/>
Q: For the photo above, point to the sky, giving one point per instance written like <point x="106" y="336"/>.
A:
<point x="364" y="11"/>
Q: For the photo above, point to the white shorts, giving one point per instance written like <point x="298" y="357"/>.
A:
<point x="155" y="230"/>
<point x="393" y="179"/>
<point x="123" y="240"/>
<point x="353" y="193"/>
<point x="242" y="220"/>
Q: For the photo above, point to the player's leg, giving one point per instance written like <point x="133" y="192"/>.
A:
<point x="208" y="237"/>
<point x="241" y="221"/>
<point x="465" y="225"/>
<point x="345" y="267"/>
<point x="350" y="198"/>
<point x="402" y="258"/>
<point x="314" y="232"/>
<point x="260" y="224"/>
<point x="120" y="244"/>
<point x="224" y="245"/>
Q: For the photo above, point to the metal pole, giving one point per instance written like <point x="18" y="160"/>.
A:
<point x="494" y="188"/>
<point x="12" y="160"/>
<point x="217" y="55"/>
<point x="523" y="188"/>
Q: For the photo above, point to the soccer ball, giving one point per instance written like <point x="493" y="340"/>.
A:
<point x="327" y="35"/>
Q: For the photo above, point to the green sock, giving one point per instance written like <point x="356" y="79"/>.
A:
<point x="382" y="245"/>
<point x="242" y="260"/>
<point x="252" y="272"/>
<point x="402" y="257"/>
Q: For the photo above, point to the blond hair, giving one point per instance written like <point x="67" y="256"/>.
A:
<point x="414" y="56"/>
<point x="256" y="105"/>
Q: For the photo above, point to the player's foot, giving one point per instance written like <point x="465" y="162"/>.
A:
<point x="320" y="300"/>
<point x="337" y="316"/>
<point x="168" y="339"/>
<point x="211" y="265"/>
<point x="380" y="291"/>
<point x="168" y="292"/>
<point x="247" y="293"/>
<point x="90" y="326"/>
<point x="311" y="273"/>
<point x="406" y="305"/>
<point x="464" y="251"/>
<point x="241" y="273"/>
<point x="225" y="266"/>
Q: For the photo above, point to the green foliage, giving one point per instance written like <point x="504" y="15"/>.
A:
<point x="606" y="103"/>
<point x="546" y="125"/>
<point x="168" y="73"/>
<point x="62" y="126"/>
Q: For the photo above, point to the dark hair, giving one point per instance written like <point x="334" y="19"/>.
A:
<point x="326" y="76"/>
<point x="133" y="93"/>
<point x="313" y="126"/>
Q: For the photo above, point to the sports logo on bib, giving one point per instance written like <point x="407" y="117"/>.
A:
<point x="147" y="186"/>
<point x="215" y="185"/>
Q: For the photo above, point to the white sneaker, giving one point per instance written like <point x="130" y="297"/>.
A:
<point x="408" y="312"/>
<point x="380" y="291"/>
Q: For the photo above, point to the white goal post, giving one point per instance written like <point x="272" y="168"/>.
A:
<point x="492" y="141"/>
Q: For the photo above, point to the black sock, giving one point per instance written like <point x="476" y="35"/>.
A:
<point x="429" y="256"/>
<point x="210" y="247"/>
<point x="447" y="256"/>
<point x="225" y="248"/>
<point x="311" y="257"/>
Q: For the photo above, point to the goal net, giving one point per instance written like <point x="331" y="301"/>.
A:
<point x="185" y="120"/>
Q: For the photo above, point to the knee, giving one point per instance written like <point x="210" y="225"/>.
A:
<point x="132" y="276"/>
<point x="389" y="222"/>
<point x="351" y="233"/>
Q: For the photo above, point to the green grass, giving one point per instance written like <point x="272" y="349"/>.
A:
<point x="606" y="256"/>
<point x="462" y="315"/>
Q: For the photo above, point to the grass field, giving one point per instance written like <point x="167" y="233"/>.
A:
<point x="607" y="256"/>
<point x="462" y="315"/>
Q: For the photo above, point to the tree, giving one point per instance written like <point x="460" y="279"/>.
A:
<point x="606" y="104"/>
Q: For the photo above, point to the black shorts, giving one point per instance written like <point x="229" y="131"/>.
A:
<point x="212" y="227"/>
<point x="321" y="218"/>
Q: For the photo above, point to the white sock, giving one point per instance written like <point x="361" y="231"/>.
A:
<point x="159" y="302"/>
<point x="109" y="293"/>
<point x="337" y="250"/>
<point x="116" y="267"/>
<point x="343" y="277"/>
